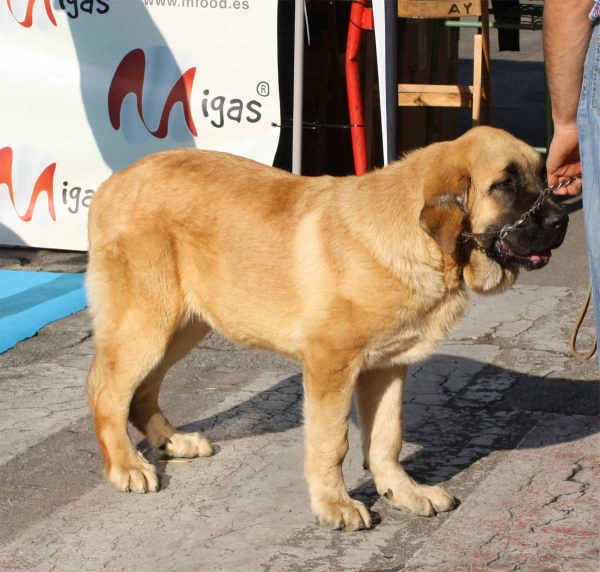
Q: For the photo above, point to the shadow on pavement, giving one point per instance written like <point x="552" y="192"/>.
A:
<point x="451" y="429"/>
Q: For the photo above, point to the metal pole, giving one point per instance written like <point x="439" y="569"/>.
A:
<point x="391" y="72"/>
<point x="298" y="87"/>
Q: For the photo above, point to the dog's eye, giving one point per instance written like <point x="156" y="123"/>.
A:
<point x="506" y="184"/>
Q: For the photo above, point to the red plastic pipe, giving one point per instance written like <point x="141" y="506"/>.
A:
<point x="355" y="104"/>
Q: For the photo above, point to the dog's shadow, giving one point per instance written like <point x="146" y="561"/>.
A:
<point x="448" y="425"/>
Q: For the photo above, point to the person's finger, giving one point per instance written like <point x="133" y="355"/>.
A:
<point x="572" y="189"/>
<point x="575" y="189"/>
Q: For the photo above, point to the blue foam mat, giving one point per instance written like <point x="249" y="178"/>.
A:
<point x="31" y="300"/>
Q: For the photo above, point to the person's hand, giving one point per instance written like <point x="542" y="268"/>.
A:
<point x="563" y="160"/>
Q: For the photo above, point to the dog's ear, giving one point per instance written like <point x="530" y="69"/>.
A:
<point x="443" y="217"/>
<point x="445" y="183"/>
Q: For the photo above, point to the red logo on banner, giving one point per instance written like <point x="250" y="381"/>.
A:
<point x="44" y="183"/>
<point x="27" y="21"/>
<point x="129" y="78"/>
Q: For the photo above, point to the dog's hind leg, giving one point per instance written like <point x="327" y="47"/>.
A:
<point x="379" y="400"/>
<point x="145" y="412"/>
<point x="118" y="370"/>
<point x="137" y="306"/>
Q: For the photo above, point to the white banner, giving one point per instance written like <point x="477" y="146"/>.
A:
<point x="90" y="86"/>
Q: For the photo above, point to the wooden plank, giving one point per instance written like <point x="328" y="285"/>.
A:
<point x="434" y="100"/>
<point x="426" y="88"/>
<point x="418" y="95"/>
<point x="422" y="95"/>
<point x="487" y="79"/>
<point x="477" y="79"/>
<point x="438" y="8"/>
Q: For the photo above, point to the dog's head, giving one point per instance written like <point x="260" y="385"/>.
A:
<point x="479" y="183"/>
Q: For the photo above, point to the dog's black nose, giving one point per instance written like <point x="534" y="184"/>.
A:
<point x="556" y="221"/>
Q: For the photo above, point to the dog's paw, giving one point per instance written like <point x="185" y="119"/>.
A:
<point x="138" y="476"/>
<point x="441" y="500"/>
<point x="187" y="445"/>
<point x="350" y="515"/>
<point x="421" y="500"/>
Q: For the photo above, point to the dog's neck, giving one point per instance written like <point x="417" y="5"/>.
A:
<point x="382" y="210"/>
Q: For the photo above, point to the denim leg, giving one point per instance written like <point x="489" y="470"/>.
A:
<point x="588" y="120"/>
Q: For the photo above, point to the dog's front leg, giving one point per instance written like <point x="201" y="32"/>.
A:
<point x="379" y="399"/>
<point x="329" y="386"/>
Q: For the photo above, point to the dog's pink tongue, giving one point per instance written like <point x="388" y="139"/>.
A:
<point x="542" y="256"/>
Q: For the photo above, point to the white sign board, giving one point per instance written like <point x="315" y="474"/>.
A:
<point x="90" y="86"/>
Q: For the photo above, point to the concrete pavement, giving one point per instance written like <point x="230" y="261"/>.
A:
<point x="501" y="414"/>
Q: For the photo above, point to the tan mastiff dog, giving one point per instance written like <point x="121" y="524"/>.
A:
<point x="355" y="277"/>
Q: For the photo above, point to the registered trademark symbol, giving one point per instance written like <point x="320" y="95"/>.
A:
<point x="263" y="89"/>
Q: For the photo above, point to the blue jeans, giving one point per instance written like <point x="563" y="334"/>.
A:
<point x="588" y="120"/>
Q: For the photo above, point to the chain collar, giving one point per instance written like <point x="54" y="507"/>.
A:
<point x="507" y="228"/>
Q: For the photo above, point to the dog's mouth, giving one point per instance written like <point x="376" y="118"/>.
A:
<point x="506" y="256"/>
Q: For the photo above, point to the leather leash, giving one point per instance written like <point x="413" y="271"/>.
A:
<point x="575" y="333"/>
